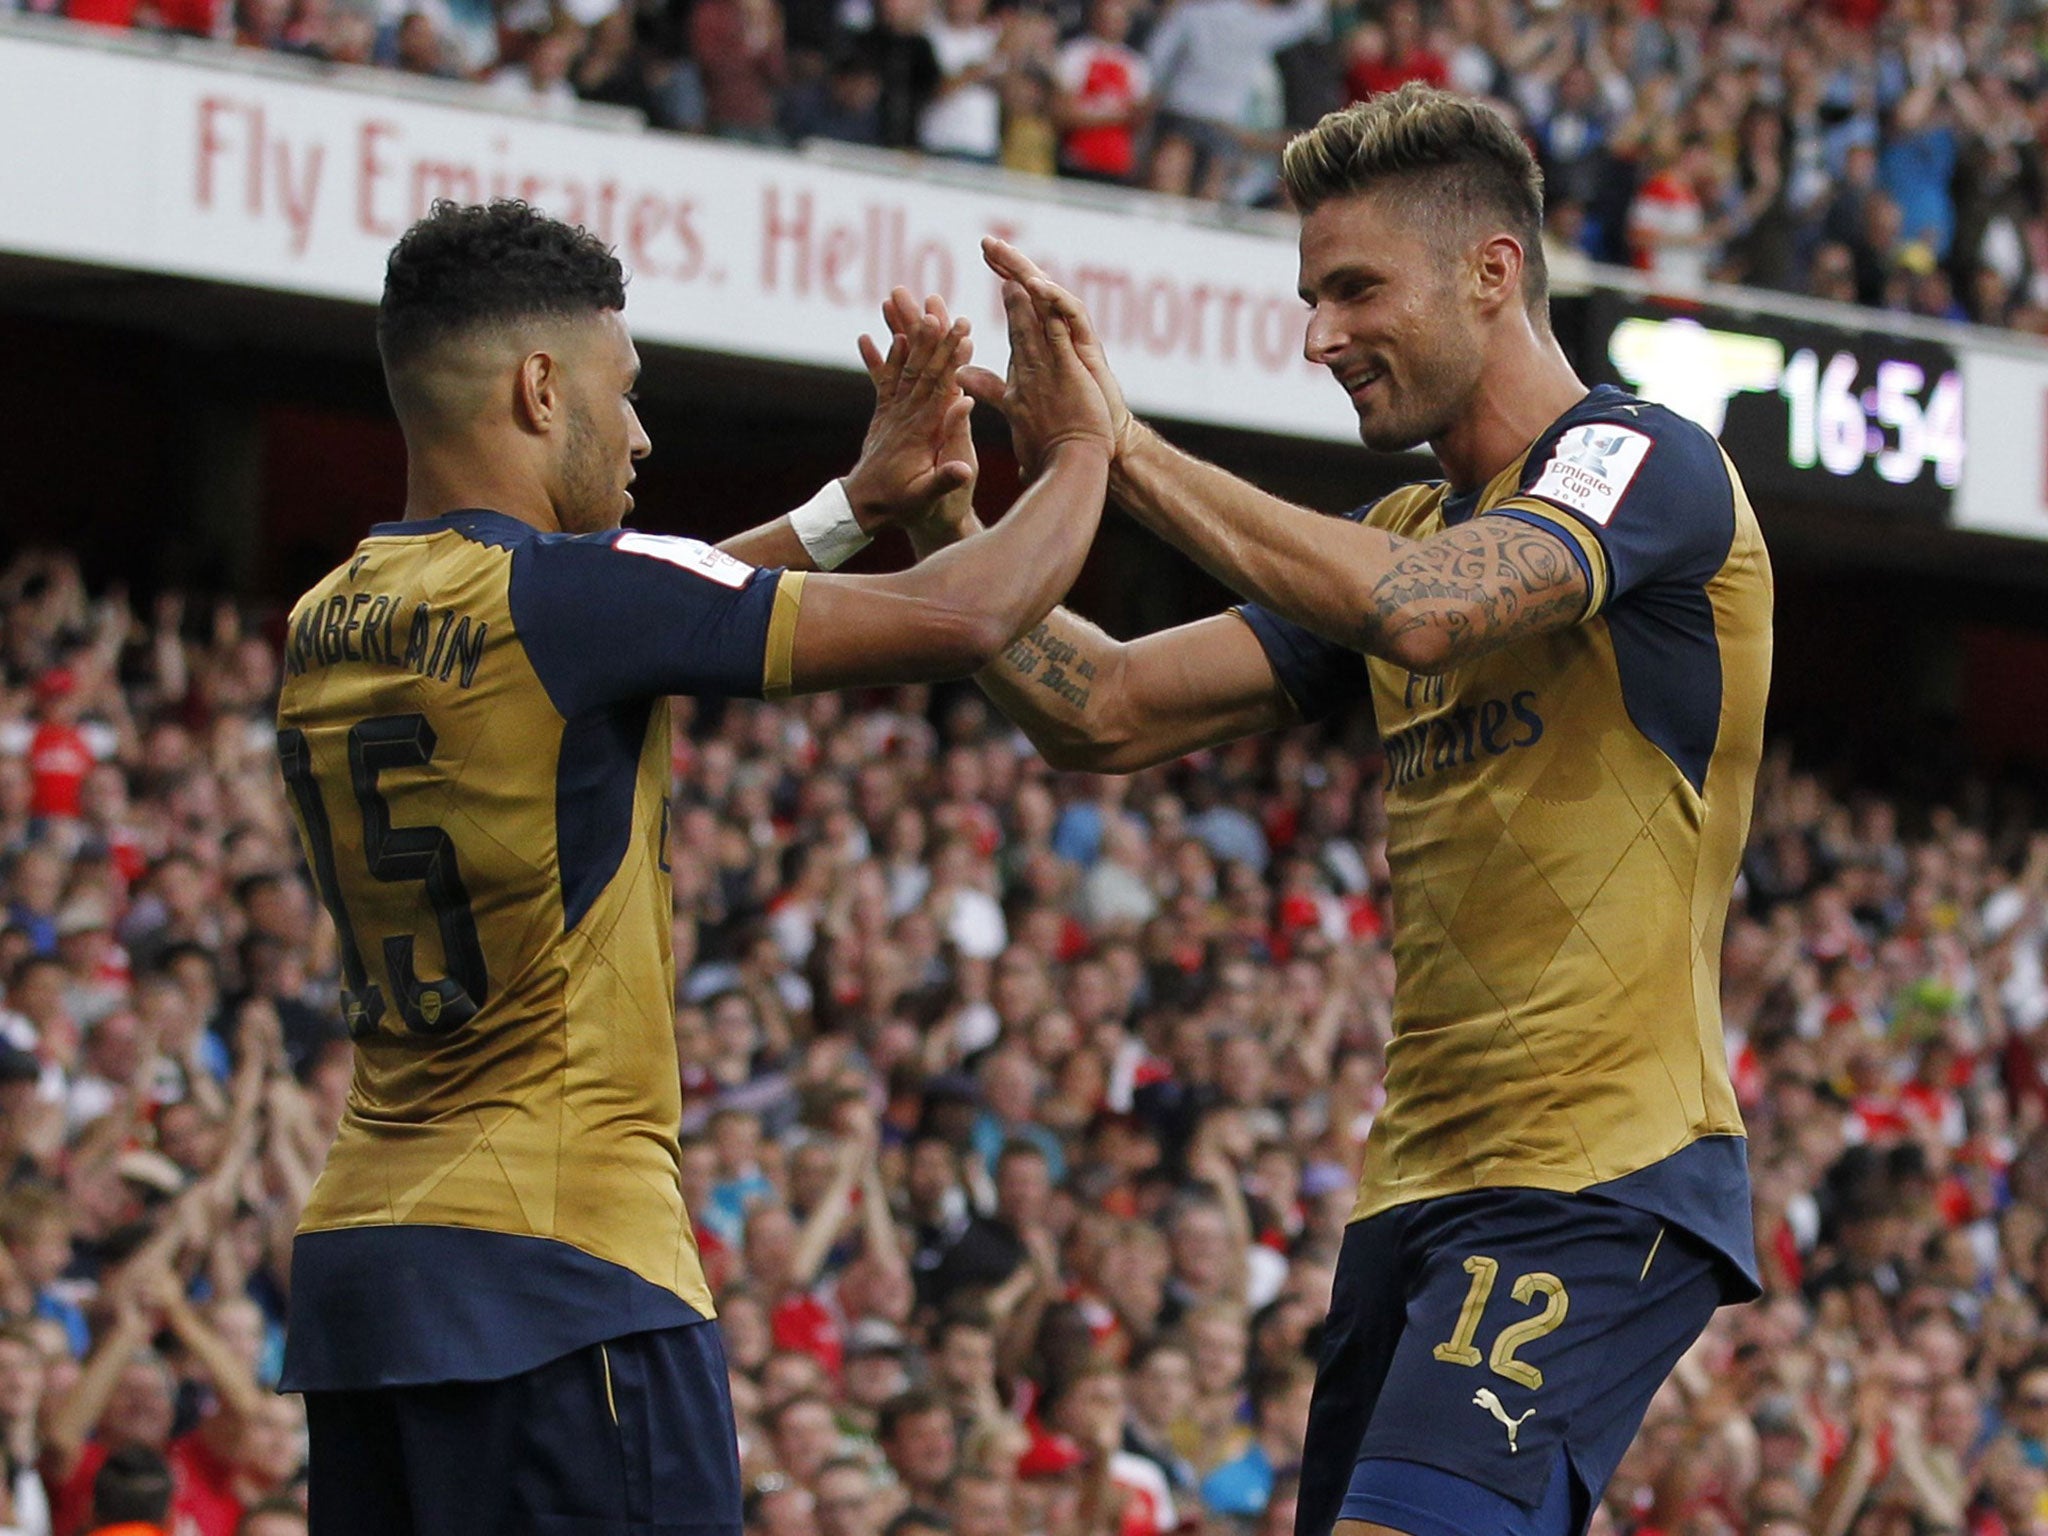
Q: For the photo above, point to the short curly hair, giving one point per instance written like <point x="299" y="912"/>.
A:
<point x="466" y="266"/>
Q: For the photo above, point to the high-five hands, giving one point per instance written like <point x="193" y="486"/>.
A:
<point x="951" y="517"/>
<point x="1049" y="396"/>
<point x="1052" y="302"/>
<point x="912" y="458"/>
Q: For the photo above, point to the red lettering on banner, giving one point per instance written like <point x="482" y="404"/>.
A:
<point x="393" y="187"/>
<point x="685" y="221"/>
<point x="252" y="164"/>
<point x="604" y="214"/>
<point x="1233" y="304"/>
<point x="299" y="190"/>
<point x="1162" y="320"/>
<point x="211" y="144"/>
<point x="1198" y="300"/>
<point x="1276" y="336"/>
<point x="775" y="230"/>
<point x="1159" y="314"/>
<point x="849" y="263"/>
<point x="278" y="177"/>
<point x="836" y="262"/>
<point x="647" y="217"/>
<point x="370" y="169"/>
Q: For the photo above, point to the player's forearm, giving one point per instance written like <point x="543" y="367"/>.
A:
<point x="777" y="543"/>
<point x="1054" y="682"/>
<point x="232" y="1380"/>
<point x="770" y="544"/>
<point x="1015" y="572"/>
<point x="69" y="1425"/>
<point x="1272" y="551"/>
<point x="1424" y="604"/>
<point x="1050" y="681"/>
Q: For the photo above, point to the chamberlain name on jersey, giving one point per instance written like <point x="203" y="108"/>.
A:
<point x="474" y="731"/>
<point x="1565" y="820"/>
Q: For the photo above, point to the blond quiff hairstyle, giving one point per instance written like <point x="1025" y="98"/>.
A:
<point x="1453" y="158"/>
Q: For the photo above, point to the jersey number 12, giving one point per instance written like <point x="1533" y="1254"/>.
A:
<point x="394" y="854"/>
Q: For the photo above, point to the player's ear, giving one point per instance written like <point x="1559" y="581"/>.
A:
<point x="1497" y="271"/>
<point x="537" y="392"/>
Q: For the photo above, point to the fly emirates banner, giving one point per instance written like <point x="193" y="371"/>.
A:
<point x="177" y="165"/>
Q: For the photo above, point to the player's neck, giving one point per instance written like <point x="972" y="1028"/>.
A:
<point x="1525" y="386"/>
<point x="437" y="483"/>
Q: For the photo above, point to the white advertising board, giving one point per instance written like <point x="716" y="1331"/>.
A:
<point x="178" y="166"/>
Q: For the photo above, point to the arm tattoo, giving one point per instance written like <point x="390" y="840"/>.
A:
<point x="1482" y="585"/>
<point x="1042" y="657"/>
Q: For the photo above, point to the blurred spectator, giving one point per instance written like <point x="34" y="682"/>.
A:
<point x="1737" y="143"/>
<point x="899" y="54"/>
<point x="1104" y="96"/>
<point x="963" y="118"/>
<point x="542" y="79"/>
<point x="738" y="50"/>
<point x="1386" y="55"/>
<point x="1206" y="57"/>
<point x="1673" y="234"/>
<point x="1030" y="137"/>
<point x="418" y="49"/>
<point x="1022" y="1111"/>
<point x="131" y="1496"/>
<point x="844" y="105"/>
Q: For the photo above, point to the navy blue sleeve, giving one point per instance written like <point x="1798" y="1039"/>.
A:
<point x="1319" y="675"/>
<point x="611" y="617"/>
<point x="1649" y="486"/>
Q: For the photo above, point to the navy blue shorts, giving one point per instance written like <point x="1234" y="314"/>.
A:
<point x="632" y="1437"/>
<point x="1490" y="1355"/>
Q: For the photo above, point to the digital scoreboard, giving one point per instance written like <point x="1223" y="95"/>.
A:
<point x="1806" y="411"/>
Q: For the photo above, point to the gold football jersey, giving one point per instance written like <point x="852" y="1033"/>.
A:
<point x="474" y="733"/>
<point x="1565" y="820"/>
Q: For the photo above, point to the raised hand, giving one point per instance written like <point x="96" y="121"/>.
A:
<point x="951" y="516"/>
<point x="906" y="463"/>
<point x="1049" y="396"/>
<point x="1012" y="265"/>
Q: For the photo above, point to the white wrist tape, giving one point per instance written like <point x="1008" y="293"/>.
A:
<point x="826" y="527"/>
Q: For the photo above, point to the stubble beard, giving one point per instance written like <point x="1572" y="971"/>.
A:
<point x="1440" y="384"/>
<point x="590" y="498"/>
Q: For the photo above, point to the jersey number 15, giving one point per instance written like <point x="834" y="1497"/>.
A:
<point x="394" y="854"/>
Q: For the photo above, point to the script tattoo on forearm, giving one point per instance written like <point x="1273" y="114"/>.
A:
<point x="1043" y="658"/>
<point x="1482" y="585"/>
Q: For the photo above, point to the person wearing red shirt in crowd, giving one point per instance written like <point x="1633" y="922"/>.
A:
<point x="1105" y="89"/>
<point x="1670" y="232"/>
<point x="786" y="1262"/>
<point x="1386" y="57"/>
<point x="124" y="1397"/>
<point x="1090" y="1412"/>
<point x="60" y="754"/>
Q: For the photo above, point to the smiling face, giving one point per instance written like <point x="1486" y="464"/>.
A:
<point x="1394" y="315"/>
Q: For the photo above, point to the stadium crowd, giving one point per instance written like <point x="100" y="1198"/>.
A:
<point x="1881" y="152"/>
<point x="1022" y="1115"/>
